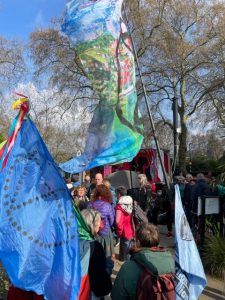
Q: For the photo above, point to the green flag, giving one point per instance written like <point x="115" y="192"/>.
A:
<point x="83" y="229"/>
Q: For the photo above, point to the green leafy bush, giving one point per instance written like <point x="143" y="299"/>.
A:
<point x="4" y="282"/>
<point x="213" y="256"/>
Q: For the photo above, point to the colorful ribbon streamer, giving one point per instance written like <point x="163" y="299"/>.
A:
<point x="23" y="105"/>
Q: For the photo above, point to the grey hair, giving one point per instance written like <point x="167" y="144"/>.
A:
<point x="91" y="217"/>
<point x="189" y="177"/>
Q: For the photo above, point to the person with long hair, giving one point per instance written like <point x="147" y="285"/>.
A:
<point x="96" y="281"/>
<point x="101" y="201"/>
<point x="144" y="195"/>
<point x="107" y="182"/>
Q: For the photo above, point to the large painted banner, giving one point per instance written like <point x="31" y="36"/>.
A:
<point x="101" y="41"/>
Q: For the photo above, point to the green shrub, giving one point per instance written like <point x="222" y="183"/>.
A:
<point x="4" y="283"/>
<point x="213" y="255"/>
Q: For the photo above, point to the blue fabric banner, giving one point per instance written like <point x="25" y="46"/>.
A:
<point x="190" y="275"/>
<point x="38" y="229"/>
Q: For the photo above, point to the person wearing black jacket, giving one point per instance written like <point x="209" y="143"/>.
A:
<point x="201" y="188"/>
<point x="187" y="196"/>
<point x="167" y="206"/>
<point x="144" y="193"/>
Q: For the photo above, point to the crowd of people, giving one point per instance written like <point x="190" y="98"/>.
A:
<point x="191" y="189"/>
<point x="109" y="215"/>
<point x="117" y="226"/>
<point x="116" y="208"/>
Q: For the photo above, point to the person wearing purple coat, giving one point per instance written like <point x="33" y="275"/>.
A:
<point x="101" y="201"/>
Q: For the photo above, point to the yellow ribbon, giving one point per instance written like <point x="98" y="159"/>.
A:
<point x="17" y="103"/>
<point x="2" y="144"/>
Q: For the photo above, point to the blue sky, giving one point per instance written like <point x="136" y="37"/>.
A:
<point x="20" y="17"/>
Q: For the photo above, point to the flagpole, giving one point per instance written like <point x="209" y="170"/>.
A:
<point x="176" y="131"/>
<point x="146" y="102"/>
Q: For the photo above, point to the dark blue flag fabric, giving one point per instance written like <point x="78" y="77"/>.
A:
<point x="38" y="227"/>
<point x="190" y="275"/>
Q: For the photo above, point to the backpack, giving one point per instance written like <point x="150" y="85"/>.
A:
<point x="154" y="287"/>
<point x="139" y="215"/>
<point x="102" y="224"/>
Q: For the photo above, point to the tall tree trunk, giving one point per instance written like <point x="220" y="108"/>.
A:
<point x="183" y="123"/>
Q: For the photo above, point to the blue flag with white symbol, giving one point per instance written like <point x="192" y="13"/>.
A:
<point x="38" y="229"/>
<point x="190" y="276"/>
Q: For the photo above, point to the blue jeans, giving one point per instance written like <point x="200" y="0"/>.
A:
<point x="125" y="246"/>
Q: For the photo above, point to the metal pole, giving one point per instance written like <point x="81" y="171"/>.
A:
<point x="221" y="216"/>
<point x="175" y="133"/>
<point x="147" y="105"/>
<point x="202" y="221"/>
<point x="81" y="177"/>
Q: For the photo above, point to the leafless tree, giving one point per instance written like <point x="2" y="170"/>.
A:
<point x="179" y="49"/>
<point x="12" y="65"/>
